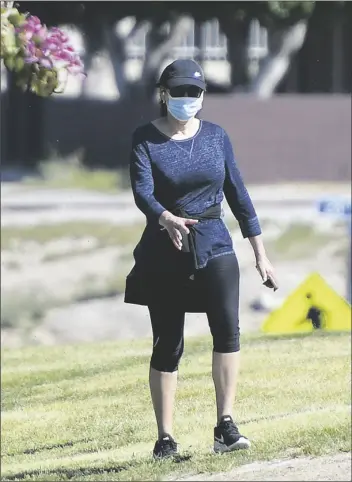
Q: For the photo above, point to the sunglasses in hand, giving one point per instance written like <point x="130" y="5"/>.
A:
<point x="270" y="283"/>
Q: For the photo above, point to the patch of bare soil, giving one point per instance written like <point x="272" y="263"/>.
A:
<point x="326" y="468"/>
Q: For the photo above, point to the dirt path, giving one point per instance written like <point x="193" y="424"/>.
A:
<point x="327" y="468"/>
<point x="26" y="206"/>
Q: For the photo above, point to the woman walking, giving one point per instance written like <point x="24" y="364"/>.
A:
<point x="181" y="168"/>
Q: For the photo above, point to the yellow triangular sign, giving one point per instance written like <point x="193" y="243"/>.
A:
<point x="313" y="305"/>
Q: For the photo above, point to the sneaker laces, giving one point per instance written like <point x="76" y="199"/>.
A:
<point x="168" y="442"/>
<point x="230" y="427"/>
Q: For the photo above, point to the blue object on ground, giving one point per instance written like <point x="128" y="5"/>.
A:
<point x="335" y="205"/>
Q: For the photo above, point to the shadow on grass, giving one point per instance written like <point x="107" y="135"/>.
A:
<point x="67" y="474"/>
<point x="64" y="474"/>
<point x="56" y="446"/>
<point x="51" y="447"/>
<point x="71" y="372"/>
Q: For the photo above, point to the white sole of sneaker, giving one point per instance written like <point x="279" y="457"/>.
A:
<point x="241" y="444"/>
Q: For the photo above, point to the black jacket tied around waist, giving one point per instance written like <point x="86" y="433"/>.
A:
<point x="189" y="241"/>
<point x="161" y="270"/>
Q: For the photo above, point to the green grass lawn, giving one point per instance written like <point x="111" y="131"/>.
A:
<point x="70" y="173"/>
<point x="84" y="413"/>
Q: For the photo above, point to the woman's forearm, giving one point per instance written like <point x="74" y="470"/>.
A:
<point x="258" y="246"/>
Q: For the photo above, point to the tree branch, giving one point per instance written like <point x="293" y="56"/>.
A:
<point x="237" y="31"/>
<point x="117" y="53"/>
<point x="159" y="45"/>
<point x="283" y="44"/>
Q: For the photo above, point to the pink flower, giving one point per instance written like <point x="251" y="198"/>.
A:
<point x="46" y="62"/>
<point x="31" y="60"/>
<point x="48" y="48"/>
<point x="33" y="19"/>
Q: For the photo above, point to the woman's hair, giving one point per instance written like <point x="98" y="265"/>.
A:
<point x="163" y="109"/>
<point x="162" y="105"/>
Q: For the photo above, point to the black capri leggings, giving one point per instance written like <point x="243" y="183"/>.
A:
<point x="219" y="281"/>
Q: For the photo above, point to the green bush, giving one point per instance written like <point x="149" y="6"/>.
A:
<point x="70" y="173"/>
<point x="24" y="309"/>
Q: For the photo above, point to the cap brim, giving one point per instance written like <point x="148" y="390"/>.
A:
<point x="177" y="81"/>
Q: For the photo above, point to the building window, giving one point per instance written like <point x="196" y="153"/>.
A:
<point x="205" y="41"/>
<point x="136" y="44"/>
<point x="213" y="43"/>
<point x="187" y="47"/>
<point x="257" y="41"/>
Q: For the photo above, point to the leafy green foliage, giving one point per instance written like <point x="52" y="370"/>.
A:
<point x="34" y="53"/>
<point x="284" y="10"/>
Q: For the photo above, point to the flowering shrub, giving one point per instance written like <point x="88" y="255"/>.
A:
<point x="37" y="55"/>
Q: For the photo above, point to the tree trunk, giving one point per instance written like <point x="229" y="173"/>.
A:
<point x="159" y="45"/>
<point x="116" y="43"/>
<point x="88" y="61"/>
<point x="283" y="44"/>
<point x="24" y="126"/>
<point x="103" y="46"/>
<point x="315" y="76"/>
<point x="337" y="51"/>
<point x="237" y="41"/>
<point x="92" y="34"/>
<point x="116" y="48"/>
<point x="347" y="42"/>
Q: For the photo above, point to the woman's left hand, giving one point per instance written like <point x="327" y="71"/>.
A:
<point x="266" y="271"/>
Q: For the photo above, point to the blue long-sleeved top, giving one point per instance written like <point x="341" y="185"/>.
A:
<point x="194" y="174"/>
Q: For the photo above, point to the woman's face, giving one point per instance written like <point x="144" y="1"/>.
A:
<point x="183" y="102"/>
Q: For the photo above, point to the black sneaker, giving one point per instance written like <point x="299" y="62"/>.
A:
<point x="227" y="437"/>
<point x="165" y="447"/>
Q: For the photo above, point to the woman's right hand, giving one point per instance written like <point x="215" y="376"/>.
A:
<point x="175" y="226"/>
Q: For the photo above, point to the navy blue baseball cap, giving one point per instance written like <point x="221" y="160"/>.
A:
<point x="182" y="72"/>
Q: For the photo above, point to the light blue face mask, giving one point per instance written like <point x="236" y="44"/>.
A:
<point x="184" y="108"/>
